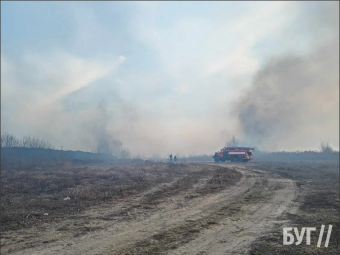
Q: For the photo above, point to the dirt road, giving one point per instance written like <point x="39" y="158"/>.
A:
<point x="190" y="222"/>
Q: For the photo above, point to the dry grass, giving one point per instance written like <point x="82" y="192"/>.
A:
<point x="28" y="194"/>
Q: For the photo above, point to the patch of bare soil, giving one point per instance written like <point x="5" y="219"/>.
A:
<point x="318" y="204"/>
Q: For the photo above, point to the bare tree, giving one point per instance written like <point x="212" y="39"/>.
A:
<point x="34" y="142"/>
<point x="232" y="142"/>
<point x="325" y="147"/>
<point x="8" y="140"/>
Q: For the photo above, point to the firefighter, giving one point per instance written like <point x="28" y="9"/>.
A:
<point x="175" y="159"/>
<point x="170" y="157"/>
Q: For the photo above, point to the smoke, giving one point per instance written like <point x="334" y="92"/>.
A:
<point x="63" y="107"/>
<point x="171" y="95"/>
<point x="104" y="139"/>
<point x="295" y="97"/>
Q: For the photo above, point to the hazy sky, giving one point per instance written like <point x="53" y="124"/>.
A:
<point x="179" y="77"/>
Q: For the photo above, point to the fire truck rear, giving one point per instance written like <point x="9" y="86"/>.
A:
<point x="234" y="154"/>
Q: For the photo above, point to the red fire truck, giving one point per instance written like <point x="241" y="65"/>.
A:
<point x="234" y="154"/>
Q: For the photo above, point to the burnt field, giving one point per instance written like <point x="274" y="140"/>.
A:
<point x="159" y="208"/>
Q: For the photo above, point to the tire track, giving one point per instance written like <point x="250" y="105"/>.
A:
<point x="226" y="222"/>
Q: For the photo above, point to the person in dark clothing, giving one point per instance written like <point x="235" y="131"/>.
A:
<point x="170" y="157"/>
<point x="175" y="159"/>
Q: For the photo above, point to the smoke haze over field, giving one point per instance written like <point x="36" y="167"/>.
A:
<point x="296" y="97"/>
<point x="291" y="99"/>
<point x="170" y="77"/>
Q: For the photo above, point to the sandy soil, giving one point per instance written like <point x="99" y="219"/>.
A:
<point x="190" y="222"/>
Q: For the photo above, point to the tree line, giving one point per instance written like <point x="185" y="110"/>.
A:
<point x="8" y="140"/>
